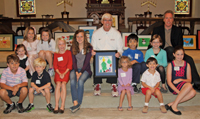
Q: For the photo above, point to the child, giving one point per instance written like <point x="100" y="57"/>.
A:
<point x="13" y="82"/>
<point x="81" y="55"/>
<point x="179" y="80"/>
<point x="40" y="83"/>
<point x="150" y="83"/>
<point x="62" y="64"/>
<point x="124" y="82"/>
<point x="21" y="52"/>
<point x="161" y="57"/>
<point x="30" y="42"/>
<point x="137" y="60"/>
<point x="46" y="48"/>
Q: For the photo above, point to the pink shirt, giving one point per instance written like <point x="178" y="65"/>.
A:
<point x="31" y="47"/>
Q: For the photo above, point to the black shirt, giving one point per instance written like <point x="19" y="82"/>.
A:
<point x="43" y="79"/>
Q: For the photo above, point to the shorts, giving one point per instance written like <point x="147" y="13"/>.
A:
<point x="35" y="92"/>
<point x="144" y="90"/>
<point x="17" y="94"/>
<point x="178" y="86"/>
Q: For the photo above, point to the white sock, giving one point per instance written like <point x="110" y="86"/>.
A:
<point x="162" y="104"/>
<point x="134" y="84"/>
<point x="146" y="104"/>
<point x="31" y="103"/>
<point x="12" y="104"/>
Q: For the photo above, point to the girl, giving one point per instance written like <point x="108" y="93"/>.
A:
<point x="46" y="48"/>
<point x="62" y="64"/>
<point x="160" y="56"/>
<point x="179" y="80"/>
<point x="21" y="52"/>
<point x="81" y="55"/>
<point x="30" y="42"/>
<point x="125" y="79"/>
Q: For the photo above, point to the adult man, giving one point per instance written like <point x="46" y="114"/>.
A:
<point x="172" y="36"/>
<point x="107" y="38"/>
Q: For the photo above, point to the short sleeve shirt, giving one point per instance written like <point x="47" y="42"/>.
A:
<point x="41" y="80"/>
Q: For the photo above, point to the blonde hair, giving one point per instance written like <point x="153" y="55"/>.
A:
<point x="106" y="15"/>
<point x="39" y="62"/>
<point x="58" y="39"/>
<point x="26" y="33"/>
<point x="124" y="58"/>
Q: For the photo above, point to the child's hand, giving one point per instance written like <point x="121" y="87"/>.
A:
<point x="62" y="76"/>
<point x="38" y="90"/>
<point x="152" y="90"/>
<point x="128" y="84"/>
<point x="43" y="93"/>
<point x="134" y="61"/>
<point x="177" y="81"/>
<point x="15" y="89"/>
<point x="123" y="85"/>
<point x="78" y="76"/>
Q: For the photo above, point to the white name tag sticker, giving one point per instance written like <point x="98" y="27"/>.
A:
<point x="152" y="55"/>
<point x="60" y="59"/>
<point x="37" y="82"/>
<point x="123" y="74"/>
<point x="17" y="80"/>
<point x="28" y="48"/>
<point x="82" y="51"/>
<point x="136" y="56"/>
<point x="176" y="68"/>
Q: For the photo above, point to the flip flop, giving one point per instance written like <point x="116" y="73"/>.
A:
<point x="120" y="108"/>
<point x="130" y="108"/>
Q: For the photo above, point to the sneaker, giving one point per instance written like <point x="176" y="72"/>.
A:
<point x="51" y="72"/>
<point x="97" y="90"/>
<point x="50" y="108"/>
<point x="20" y="108"/>
<point x="30" y="107"/>
<point x="163" y="90"/>
<point x="135" y="89"/>
<point x="75" y="108"/>
<point x="9" y="108"/>
<point x="163" y="109"/>
<point x="114" y="90"/>
<point x="145" y="109"/>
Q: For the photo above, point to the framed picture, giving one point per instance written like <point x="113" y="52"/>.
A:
<point x="182" y="7"/>
<point x="124" y="38"/>
<point x="105" y="64"/>
<point x="89" y="31"/>
<point x="198" y="39"/>
<point x="38" y="36"/>
<point x="6" y="42"/>
<point x="26" y="7"/>
<point x="143" y="41"/>
<point x="18" y="40"/>
<point x="68" y="36"/>
<point x="189" y="41"/>
<point x="115" y="21"/>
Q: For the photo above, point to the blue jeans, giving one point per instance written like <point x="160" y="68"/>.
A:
<point x="77" y="92"/>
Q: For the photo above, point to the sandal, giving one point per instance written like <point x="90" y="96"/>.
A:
<point x="130" y="108"/>
<point x="120" y="108"/>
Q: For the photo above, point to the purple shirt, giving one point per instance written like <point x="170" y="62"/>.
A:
<point x="124" y="77"/>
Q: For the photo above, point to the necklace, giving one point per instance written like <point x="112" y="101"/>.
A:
<point x="40" y="77"/>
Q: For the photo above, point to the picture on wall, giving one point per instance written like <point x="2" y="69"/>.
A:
<point x="115" y="21"/>
<point x="105" y="64"/>
<point x="189" y="41"/>
<point x="26" y="7"/>
<point x="68" y="36"/>
<point x="6" y="42"/>
<point x="89" y="31"/>
<point x="124" y="38"/>
<point x="18" y="40"/>
<point x="143" y="41"/>
<point x="182" y="7"/>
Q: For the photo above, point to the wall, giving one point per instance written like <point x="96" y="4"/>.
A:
<point x="78" y="9"/>
<point x="2" y="9"/>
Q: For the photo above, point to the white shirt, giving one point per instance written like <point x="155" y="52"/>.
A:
<point x="46" y="46"/>
<point x="150" y="79"/>
<point x="111" y="40"/>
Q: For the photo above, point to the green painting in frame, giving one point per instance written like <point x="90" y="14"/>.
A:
<point x="182" y="7"/>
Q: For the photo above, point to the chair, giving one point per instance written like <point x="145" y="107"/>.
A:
<point x="140" y="24"/>
<point x="183" y="27"/>
<point x="47" y="16"/>
<point x="21" y="28"/>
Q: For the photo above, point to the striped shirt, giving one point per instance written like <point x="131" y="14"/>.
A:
<point x="11" y="79"/>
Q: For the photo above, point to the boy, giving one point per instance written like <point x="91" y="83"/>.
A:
<point x="13" y="82"/>
<point x="137" y="60"/>
<point x="40" y="83"/>
<point x="150" y="83"/>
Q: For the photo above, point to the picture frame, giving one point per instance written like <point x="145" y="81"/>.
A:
<point x="198" y="39"/>
<point x="18" y="40"/>
<point x="68" y="36"/>
<point x="6" y="42"/>
<point x="183" y="8"/>
<point x="115" y="21"/>
<point x="38" y="36"/>
<point x="89" y="31"/>
<point x="143" y="41"/>
<point x="124" y="38"/>
<point x="189" y="42"/>
<point x="26" y="8"/>
<point x="105" y="64"/>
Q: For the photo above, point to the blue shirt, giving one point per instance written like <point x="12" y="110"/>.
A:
<point x="134" y="55"/>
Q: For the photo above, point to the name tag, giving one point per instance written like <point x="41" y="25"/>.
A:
<point x="123" y="74"/>
<point x="37" y="82"/>
<point x="176" y="68"/>
<point x="82" y="51"/>
<point x="152" y="55"/>
<point x="60" y="59"/>
<point x="136" y="56"/>
<point x="17" y="80"/>
<point x="112" y="39"/>
<point x="28" y="48"/>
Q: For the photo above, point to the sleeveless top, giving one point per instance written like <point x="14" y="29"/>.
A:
<point x="181" y="73"/>
<point x="23" y="65"/>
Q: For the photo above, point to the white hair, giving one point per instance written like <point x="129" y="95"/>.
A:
<point x="106" y="15"/>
